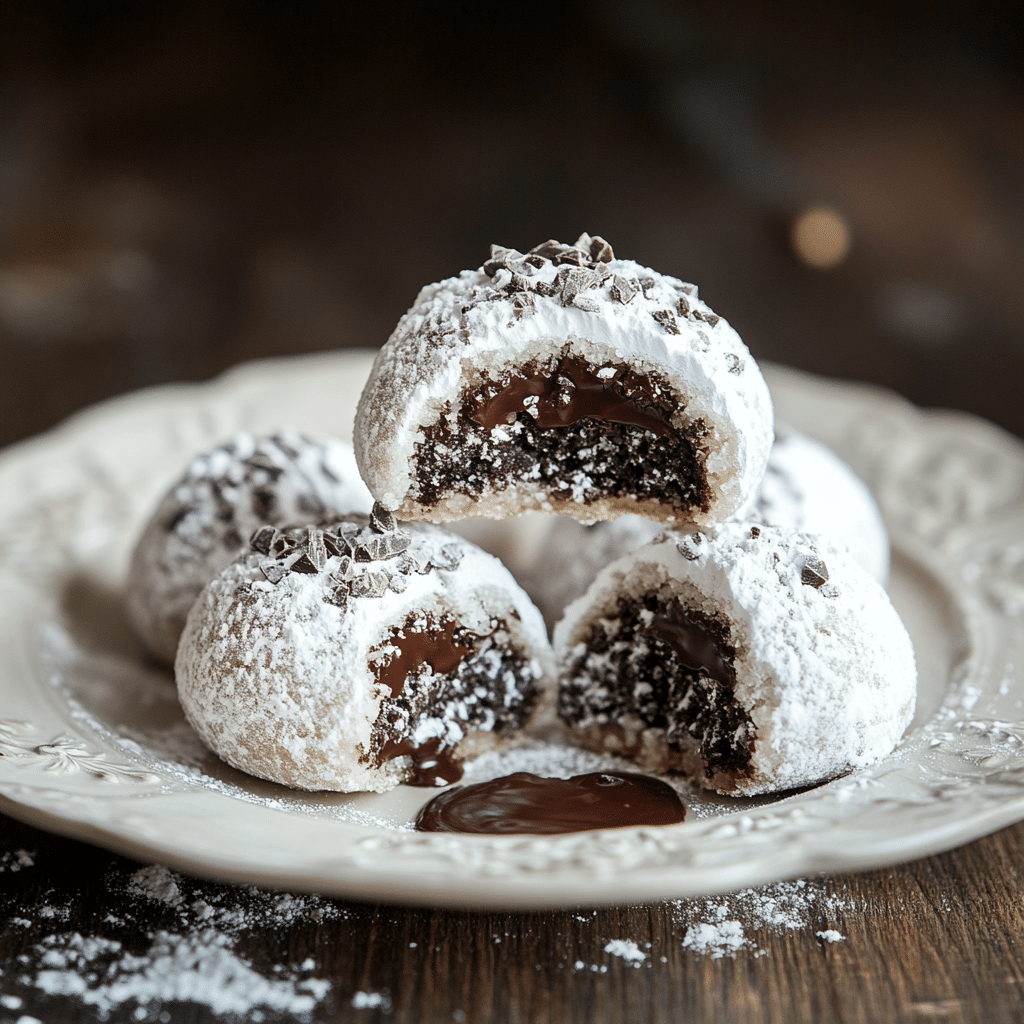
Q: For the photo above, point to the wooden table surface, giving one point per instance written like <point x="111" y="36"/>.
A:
<point x="186" y="186"/>
<point x="940" y="939"/>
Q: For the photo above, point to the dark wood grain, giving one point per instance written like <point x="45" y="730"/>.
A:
<point x="938" y="939"/>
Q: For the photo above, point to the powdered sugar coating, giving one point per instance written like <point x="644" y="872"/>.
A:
<point x="278" y="680"/>
<point x="478" y="327"/>
<point x="807" y="488"/>
<point x="207" y="517"/>
<point x="824" y="668"/>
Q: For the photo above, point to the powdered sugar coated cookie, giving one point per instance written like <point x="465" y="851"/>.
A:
<point x="567" y="380"/>
<point x="359" y="655"/>
<point x="207" y="517"/>
<point x="756" y="660"/>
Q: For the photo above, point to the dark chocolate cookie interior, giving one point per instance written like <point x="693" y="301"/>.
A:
<point x="584" y="431"/>
<point x="669" y="666"/>
<point x="448" y="672"/>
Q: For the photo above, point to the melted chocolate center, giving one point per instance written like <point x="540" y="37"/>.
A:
<point x="567" y="394"/>
<point x="693" y="644"/>
<point x="437" y="648"/>
<point x="524" y="803"/>
<point x="431" y="766"/>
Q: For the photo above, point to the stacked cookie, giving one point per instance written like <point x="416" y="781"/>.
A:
<point x="710" y="622"/>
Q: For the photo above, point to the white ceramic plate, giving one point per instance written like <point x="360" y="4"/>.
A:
<point x="93" y="744"/>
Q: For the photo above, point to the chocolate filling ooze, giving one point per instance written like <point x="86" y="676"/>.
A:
<point x="585" y="432"/>
<point x="446" y="671"/>
<point x="671" y="667"/>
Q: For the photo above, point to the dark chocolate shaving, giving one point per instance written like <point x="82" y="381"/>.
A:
<point x="262" y="539"/>
<point x="688" y="289"/>
<point x="274" y="572"/>
<point x="316" y="548"/>
<point x="682" y="306"/>
<point x="370" y="584"/>
<point x="667" y="320"/>
<point x="814" y="573"/>
<point x="382" y="519"/>
<point x="646" y="283"/>
<point x="755" y="532"/>
<point x="284" y="546"/>
<point x="304" y="564"/>
<point x="734" y="362"/>
<point x="548" y="250"/>
<point x="623" y="290"/>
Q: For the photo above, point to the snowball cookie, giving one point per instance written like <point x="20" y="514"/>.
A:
<point x="807" y="488"/>
<point x="564" y="380"/>
<point x="207" y="517"/>
<point x="358" y="655"/>
<point x="757" y="660"/>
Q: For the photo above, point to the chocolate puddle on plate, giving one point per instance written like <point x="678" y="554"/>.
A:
<point x="524" y="803"/>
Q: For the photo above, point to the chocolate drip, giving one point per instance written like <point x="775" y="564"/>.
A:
<point x="693" y="644"/>
<point x="568" y="393"/>
<point x="431" y="766"/>
<point x="437" y="648"/>
<point x="526" y="803"/>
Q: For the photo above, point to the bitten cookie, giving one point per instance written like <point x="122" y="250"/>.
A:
<point x="358" y="655"/>
<point x="756" y="660"/>
<point x="563" y="380"/>
<point x="807" y="488"/>
<point x="207" y="517"/>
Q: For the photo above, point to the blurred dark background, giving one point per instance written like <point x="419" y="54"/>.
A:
<point x="183" y="186"/>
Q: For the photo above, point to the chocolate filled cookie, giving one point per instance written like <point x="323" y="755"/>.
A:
<point x="563" y="380"/>
<point x="807" y="488"/>
<point x="207" y="517"/>
<point x="360" y="654"/>
<point x="755" y="661"/>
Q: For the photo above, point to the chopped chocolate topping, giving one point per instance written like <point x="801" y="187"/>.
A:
<point x="755" y="532"/>
<point x="683" y="306"/>
<point x="549" y="249"/>
<point x="382" y="519"/>
<point x="646" y="283"/>
<point x="370" y="584"/>
<point x="667" y="320"/>
<point x="274" y="572"/>
<point x="669" y="666"/>
<point x="304" y="564"/>
<point x="688" y="289"/>
<point x="734" y="362"/>
<point x="262" y="539"/>
<point x="814" y="573"/>
<point x="524" y="803"/>
<point x="571" y="255"/>
<point x="316" y="548"/>
<point x="600" y="251"/>
<point x="585" y="432"/>
<point x="709" y="318"/>
<point x="623" y="290"/>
